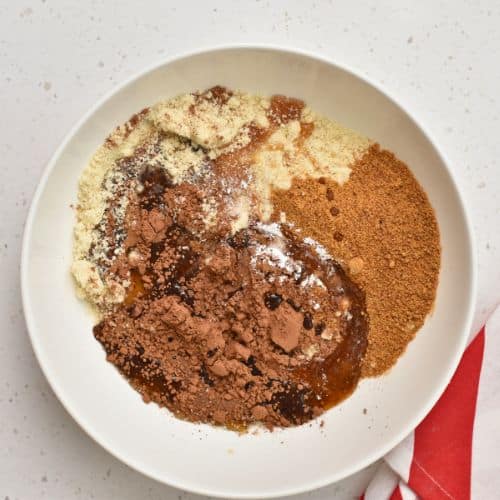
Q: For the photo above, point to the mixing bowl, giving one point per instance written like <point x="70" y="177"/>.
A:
<point x="210" y="460"/>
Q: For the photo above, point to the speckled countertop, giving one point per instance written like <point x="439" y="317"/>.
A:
<point x="440" y="59"/>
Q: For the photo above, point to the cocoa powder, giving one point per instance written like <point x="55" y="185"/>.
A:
<point x="255" y="327"/>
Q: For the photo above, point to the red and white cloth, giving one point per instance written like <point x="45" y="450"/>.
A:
<point x="435" y="461"/>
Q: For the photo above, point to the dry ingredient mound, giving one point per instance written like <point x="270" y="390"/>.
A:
<point x="225" y="329"/>
<point x="381" y="227"/>
<point x="249" y="260"/>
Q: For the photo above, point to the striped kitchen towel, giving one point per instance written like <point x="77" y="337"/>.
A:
<point x="435" y="460"/>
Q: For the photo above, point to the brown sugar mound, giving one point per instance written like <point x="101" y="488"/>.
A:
<point x="382" y="228"/>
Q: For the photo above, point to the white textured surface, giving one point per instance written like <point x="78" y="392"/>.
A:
<point x="58" y="57"/>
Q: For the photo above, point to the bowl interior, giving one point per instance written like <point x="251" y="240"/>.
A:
<point x="199" y="457"/>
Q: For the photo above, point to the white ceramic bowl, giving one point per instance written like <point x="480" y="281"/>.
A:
<point x="211" y="460"/>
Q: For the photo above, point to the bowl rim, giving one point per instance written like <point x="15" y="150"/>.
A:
<point x="30" y="321"/>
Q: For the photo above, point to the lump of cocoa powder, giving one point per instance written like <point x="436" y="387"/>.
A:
<point x="286" y="325"/>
